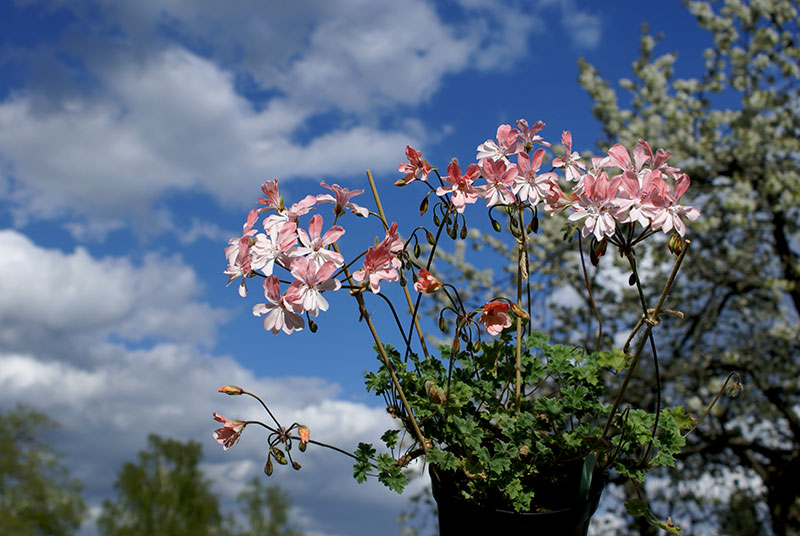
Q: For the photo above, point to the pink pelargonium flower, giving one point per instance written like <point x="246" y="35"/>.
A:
<point x="298" y="209"/>
<point x="381" y="262"/>
<point x="460" y="185"/>
<point x="529" y="135"/>
<point x="596" y="205"/>
<point x="238" y="253"/>
<point x="527" y="184"/>
<point x="416" y="167"/>
<point x="305" y="294"/>
<point x="279" y="311"/>
<point x="273" y="199"/>
<point x="277" y="245"/>
<point x="341" y="200"/>
<point x="495" y="317"/>
<point x="314" y="243"/>
<point x="304" y="433"/>
<point x="426" y="283"/>
<point x="507" y="144"/>
<point x="229" y="434"/>
<point x="665" y="212"/>
<point x="573" y="167"/>
<point x="499" y="180"/>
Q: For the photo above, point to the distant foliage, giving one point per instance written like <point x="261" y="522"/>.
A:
<point x="37" y="494"/>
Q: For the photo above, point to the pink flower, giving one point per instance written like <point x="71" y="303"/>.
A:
<point x="314" y="246"/>
<point x="415" y="168"/>
<point x="229" y="434"/>
<point x="341" y="200"/>
<point x="273" y="199"/>
<point x="275" y="246"/>
<point x="426" y="283"/>
<point x="305" y="294"/>
<point x="664" y="210"/>
<point x="495" y="317"/>
<point x="279" y="311"/>
<point x="573" y="167"/>
<point x="528" y="135"/>
<point x="507" y="144"/>
<point x="378" y="266"/>
<point x="499" y="179"/>
<point x="298" y="209"/>
<point x="596" y="205"/>
<point x="304" y="433"/>
<point x="238" y="253"/>
<point x="527" y="184"/>
<point x="460" y="185"/>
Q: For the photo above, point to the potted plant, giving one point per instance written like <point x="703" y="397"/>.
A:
<point x="514" y="428"/>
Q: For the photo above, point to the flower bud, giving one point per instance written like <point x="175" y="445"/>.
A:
<point x="417" y="250"/>
<point x="496" y="225"/>
<point x="423" y="207"/>
<point x="296" y="466"/>
<point x="279" y="456"/>
<point x="312" y="326"/>
<point x="534" y="226"/>
<point x="436" y="221"/>
<point x="675" y="244"/>
<point x="463" y="232"/>
<point x="442" y="324"/>
<point x="268" y="467"/>
<point x="230" y="390"/>
<point x="430" y="238"/>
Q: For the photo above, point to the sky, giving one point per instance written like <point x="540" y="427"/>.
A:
<point x="134" y="137"/>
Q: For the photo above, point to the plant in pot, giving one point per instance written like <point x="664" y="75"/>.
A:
<point x="517" y="431"/>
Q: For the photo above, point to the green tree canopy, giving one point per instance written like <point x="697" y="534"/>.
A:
<point x="164" y="493"/>
<point x="265" y="510"/>
<point x="37" y="494"/>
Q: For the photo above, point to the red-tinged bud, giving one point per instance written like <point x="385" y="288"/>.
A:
<point x="230" y="390"/>
<point x="430" y="238"/>
<point x="519" y="312"/>
<point x="400" y="182"/>
<point x="304" y="433"/>
<point x="423" y="207"/>
<point x="268" y="467"/>
<point x="296" y="466"/>
<point x="675" y="244"/>
<point x="463" y="234"/>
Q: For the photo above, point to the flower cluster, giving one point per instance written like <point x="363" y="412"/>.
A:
<point x="473" y="410"/>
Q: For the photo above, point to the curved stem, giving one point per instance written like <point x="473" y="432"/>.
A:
<point x="591" y="297"/>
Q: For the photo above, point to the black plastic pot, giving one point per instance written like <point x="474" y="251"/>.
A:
<point x="458" y="516"/>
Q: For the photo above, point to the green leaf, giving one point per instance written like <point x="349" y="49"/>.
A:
<point x="443" y="459"/>
<point x="639" y="508"/>
<point x="390" y="437"/>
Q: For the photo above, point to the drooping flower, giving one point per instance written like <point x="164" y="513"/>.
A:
<point x="315" y="244"/>
<point x="305" y="294"/>
<point x="416" y="167"/>
<point x="341" y="200"/>
<point x="495" y="317"/>
<point x="279" y="310"/>
<point x="460" y="185"/>
<point x="229" y="434"/>
<point x="426" y="283"/>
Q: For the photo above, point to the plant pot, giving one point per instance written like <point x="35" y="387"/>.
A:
<point x="458" y="516"/>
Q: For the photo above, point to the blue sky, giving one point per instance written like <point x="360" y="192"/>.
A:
<point x="134" y="137"/>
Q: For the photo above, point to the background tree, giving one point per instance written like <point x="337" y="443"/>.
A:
<point x="164" y="493"/>
<point x="37" y="494"/>
<point x="265" y="510"/>
<point x="736" y="132"/>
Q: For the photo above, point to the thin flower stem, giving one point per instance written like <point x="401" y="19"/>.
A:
<point x="651" y="320"/>
<point x="591" y="297"/>
<point x="522" y="272"/>
<point x="264" y="406"/>
<point x="713" y="403"/>
<point x="405" y="287"/>
<point x="362" y="308"/>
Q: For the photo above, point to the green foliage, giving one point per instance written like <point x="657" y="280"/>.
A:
<point x="265" y="510"/>
<point x="37" y="493"/>
<point x="164" y="493"/>
<point x="637" y="507"/>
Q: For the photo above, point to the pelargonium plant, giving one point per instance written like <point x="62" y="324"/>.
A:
<point x="500" y="411"/>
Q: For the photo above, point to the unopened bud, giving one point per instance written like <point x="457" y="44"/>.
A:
<point x="417" y="250"/>
<point x="430" y="238"/>
<point x="463" y="232"/>
<point x="312" y="326"/>
<point x="400" y="182"/>
<point x="423" y="207"/>
<point x="452" y="232"/>
<point x="496" y="225"/>
<point x="519" y="312"/>
<point x="268" y="468"/>
<point x="279" y="456"/>
<point x="442" y="324"/>
<point x="675" y="244"/>
<point x="734" y="387"/>
<point x="534" y="226"/>
<point x="436" y="221"/>
<point x="456" y="345"/>
<point x="304" y="433"/>
<point x="296" y="466"/>
<point x="231" y="390"/>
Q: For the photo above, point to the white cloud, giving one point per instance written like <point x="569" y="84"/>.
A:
<point x="55" y="301"/>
